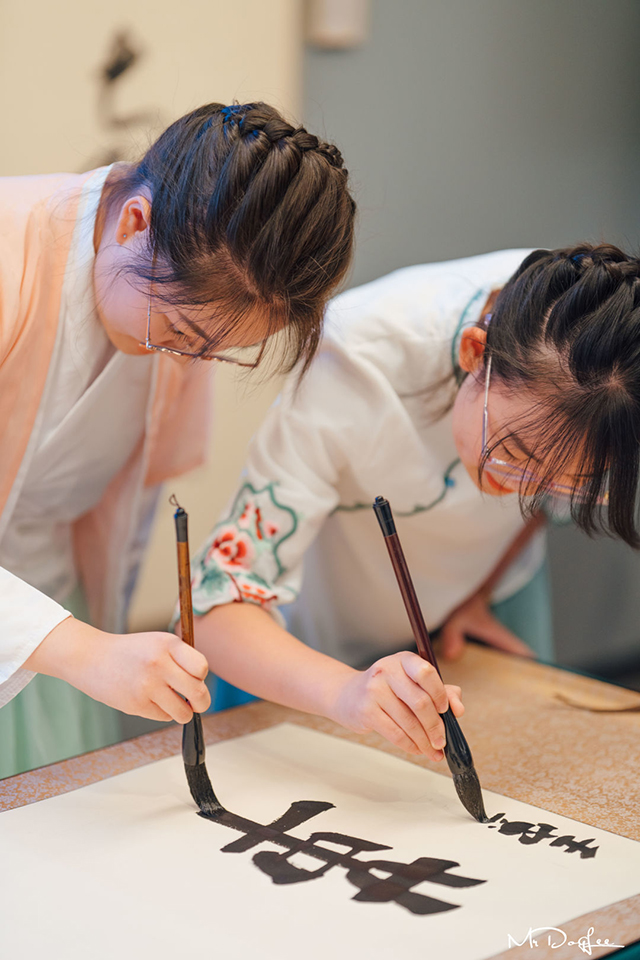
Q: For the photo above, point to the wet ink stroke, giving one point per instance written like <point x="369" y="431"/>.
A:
<point x="395" y="887"/>
<point x="528" y="834"/>
<point x="379" y="881"/>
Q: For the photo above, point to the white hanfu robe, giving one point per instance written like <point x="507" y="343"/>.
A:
<point x="301" y="531"/>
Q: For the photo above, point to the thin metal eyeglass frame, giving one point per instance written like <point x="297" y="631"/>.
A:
<point x="558" y="491"/>
<point x="175" y="352"/>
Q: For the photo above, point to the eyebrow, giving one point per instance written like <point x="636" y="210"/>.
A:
<point x="574" y="479"/>
<point x="521" y="446"/>
<point x="201" y="333"/>
<point x="193" y="325"/>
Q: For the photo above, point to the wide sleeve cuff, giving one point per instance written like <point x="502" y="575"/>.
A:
<point x="240" y="562"/>
<point x="27" y="616"/>
<point x="14" y="685"/>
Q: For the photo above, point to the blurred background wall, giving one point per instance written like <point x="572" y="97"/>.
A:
<point x="475" y="125"/>
<point x="52" y="58"/>
<point x="467" y="125"/>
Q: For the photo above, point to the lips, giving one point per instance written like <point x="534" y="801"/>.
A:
<point x="498" y="487"/>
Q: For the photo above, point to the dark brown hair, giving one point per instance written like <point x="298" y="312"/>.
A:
<point x="248" y="212"/>
<point x="565" y="329"/>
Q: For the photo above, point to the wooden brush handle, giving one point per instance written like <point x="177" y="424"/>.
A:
<point x="184" y="575"/>
<point x="418" y="626"/>
<point x="184" y="586"/>
<point x="384" y="515"/>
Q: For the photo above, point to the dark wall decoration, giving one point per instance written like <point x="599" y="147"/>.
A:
<point x="120" y="129"/>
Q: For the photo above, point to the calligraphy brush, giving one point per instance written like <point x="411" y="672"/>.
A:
<point x="193" y="748"/>
<point x="456" y="749"/>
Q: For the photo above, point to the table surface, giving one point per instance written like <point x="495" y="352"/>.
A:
<point x="527" y="744"/>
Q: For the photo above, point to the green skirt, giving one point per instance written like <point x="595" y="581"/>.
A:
<point x="50" y="720"/>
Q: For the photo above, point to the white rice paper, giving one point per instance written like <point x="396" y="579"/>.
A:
<point x="126" y="869"/>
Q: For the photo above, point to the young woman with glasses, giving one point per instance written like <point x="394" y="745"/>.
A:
<point x="470" y="394"/>
<point x="113" y="286"/>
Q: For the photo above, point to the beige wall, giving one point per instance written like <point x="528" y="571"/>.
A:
<point x="193" y="52"/>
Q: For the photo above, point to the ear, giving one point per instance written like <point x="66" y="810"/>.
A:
<point x="134" y="219"/>
<point x="471" y="350"/>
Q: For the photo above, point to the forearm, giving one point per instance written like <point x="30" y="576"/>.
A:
<point x="400" y="696"/>
<point x="515" y="548"/>
<point x="473" y="617"/>
<point x="246" y="647"/>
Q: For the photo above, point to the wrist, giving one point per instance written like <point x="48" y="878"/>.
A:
<point x="334" y="696"/>
<point x="64" y="651"/>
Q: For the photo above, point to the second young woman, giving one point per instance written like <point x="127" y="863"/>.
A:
<point x="463" y="392"/>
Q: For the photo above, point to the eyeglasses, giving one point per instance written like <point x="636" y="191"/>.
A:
<point x="241" y="356"/>
<point x="518" y="475"/>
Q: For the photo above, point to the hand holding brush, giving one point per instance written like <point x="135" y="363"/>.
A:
<point x="456" y="751"/>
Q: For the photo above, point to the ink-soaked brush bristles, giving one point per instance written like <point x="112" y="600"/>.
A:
<point x="468" y="789"/>
<point x="193" y="755"/>
<point x="460" y="761"/>
<point x="202" y="791"/>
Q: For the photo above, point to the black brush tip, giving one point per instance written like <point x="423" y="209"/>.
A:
<point x="468" y="789"/>
<point x="202" y="791"/>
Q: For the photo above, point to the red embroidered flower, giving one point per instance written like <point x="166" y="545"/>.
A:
<point x="231" y="548"/>
<point x="244" y="520"/>
<point x="254" y="592"/>
<point x="252" y="519"/>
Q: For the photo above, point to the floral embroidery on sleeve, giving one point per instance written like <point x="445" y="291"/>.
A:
<point x="240" y="561"/>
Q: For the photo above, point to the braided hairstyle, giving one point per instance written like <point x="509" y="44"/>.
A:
<point x="565" y="330"/>
<point x="248" y="212"/>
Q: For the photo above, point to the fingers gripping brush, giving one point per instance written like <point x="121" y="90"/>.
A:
<point x="456" y="750"/>
<point x="193" y="748"/>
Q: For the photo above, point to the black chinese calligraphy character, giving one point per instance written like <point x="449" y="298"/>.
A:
<point x="536" y="832"/>
<point x="394" y="886"/>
